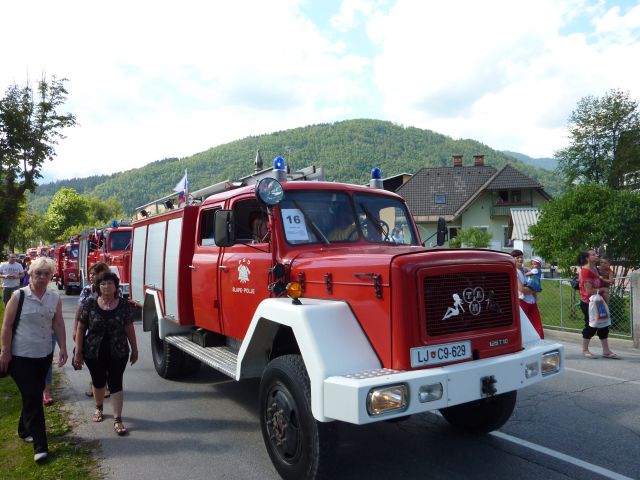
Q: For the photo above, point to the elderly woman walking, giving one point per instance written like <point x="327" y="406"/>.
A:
<point x="27" y="351"/>
<point x="104" y="333"/>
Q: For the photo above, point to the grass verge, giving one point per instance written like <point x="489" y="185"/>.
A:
<point x="70" y="458"/>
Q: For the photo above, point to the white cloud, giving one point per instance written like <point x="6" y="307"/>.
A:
<point x="499" y="72"/>
<point x="150" y="80"/>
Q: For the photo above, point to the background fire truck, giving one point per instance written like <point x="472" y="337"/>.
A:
<point x="66" y="275"/>
<point x="357" y="327"/>
<point x="109" y="244"/>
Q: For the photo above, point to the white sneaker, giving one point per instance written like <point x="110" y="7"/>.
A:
<point x="28" y="439"/>
<point x="40" y="457"/>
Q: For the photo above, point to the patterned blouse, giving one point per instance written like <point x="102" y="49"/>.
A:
<point x="101" y="323"/>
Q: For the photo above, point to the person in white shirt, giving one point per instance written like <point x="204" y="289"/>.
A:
<point x="27" y="353"/>
<point x="11" y="274"/>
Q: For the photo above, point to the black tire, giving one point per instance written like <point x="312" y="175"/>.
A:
<point x="190" y="365"/>
<point x="482" y="416"/>
<point x="167" y="359"/>
<point x="68" y="290"/>
<point x="300" y="447"/>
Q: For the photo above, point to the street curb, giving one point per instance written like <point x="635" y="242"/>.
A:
<point x="576" y="337"/>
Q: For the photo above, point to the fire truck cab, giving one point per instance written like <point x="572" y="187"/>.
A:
<point x="325" y="291"/>
<point x="111" y="245"/>
<point x="66" y="258"/>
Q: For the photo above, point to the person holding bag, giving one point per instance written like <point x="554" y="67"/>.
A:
<point x="591" y="285"/>
<point x="27" y="353"/>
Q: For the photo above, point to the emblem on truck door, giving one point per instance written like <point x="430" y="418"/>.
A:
<point x="243" y="270"/>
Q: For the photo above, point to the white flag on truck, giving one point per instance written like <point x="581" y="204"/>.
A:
<point x="182" y="187"/>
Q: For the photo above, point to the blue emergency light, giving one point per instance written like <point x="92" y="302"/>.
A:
<point x="278" y="163"/>
<point x="376" y="178"/>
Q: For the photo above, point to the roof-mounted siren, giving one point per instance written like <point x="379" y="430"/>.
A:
<point x="280" y="169"/>
<point x="376" y="178"/>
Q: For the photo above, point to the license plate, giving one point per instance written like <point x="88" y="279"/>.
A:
<point x="436" y="354"/>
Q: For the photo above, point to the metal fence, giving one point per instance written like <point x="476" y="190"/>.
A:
<point x="559" y="306"/>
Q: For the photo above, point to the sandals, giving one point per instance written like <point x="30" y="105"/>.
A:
<point x="98" y="416"/>
<point x="589" y="355"/>
<point x="610" y="355"/>
<point x="118" y="427"/>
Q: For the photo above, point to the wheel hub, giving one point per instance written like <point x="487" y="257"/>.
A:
<point x="277" y="422"/>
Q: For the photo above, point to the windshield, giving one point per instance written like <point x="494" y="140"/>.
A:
<point x="119" y="240"/>
<point x="334" y="217"/>
<point x="74" y="251"/>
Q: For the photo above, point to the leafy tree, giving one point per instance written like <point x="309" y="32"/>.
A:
<point x="29" y="131"/>
<point x="67" y="208"/>
<point x="596" y="129"/>
<point x="590" y="216"/>
<point x="471" y="238"/>
<point x="29" y="229"/>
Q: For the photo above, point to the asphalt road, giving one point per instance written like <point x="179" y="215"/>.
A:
<point x="584" y="424"/>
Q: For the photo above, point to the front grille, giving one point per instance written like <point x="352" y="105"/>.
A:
<point x="461" y="302"/>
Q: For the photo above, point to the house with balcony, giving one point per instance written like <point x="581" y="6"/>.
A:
<point x="472" y="196"/>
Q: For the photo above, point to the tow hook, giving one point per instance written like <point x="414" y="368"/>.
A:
<point x="488" y="386"/>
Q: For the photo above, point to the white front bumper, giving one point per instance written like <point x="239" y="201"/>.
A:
<point x="345" y="396"/>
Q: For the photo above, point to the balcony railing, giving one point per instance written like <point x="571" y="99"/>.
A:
<point x="504" y="210"/>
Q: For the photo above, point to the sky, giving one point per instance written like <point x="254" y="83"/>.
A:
<point x="149" y="80"/>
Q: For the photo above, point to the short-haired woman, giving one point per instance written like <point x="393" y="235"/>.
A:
<point x="28" y="352"/>
<point x="104" y="334"/>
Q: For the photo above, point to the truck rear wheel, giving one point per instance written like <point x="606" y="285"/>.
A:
<point x="482" y="416"/>
<point x="299" y="445"/>
<point x="68" y="290"/>
<point x="167" y="359"/>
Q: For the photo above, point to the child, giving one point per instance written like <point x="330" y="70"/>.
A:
<point x="534" y="275"/>
<point x="606" y="275"/>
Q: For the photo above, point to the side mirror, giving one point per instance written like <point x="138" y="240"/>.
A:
<point x="442" y="232"/>
<point x="223" y="228"/>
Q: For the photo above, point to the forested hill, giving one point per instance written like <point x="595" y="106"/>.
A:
<point x="346" y="150"/>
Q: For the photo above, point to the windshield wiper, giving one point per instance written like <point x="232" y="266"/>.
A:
<point x="311" y="223"/>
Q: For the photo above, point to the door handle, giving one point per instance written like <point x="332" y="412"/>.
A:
<point x="193" y="267"/>
<point x="223" y="268"/>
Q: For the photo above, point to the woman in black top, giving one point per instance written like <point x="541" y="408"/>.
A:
<point x="104" y="334"/>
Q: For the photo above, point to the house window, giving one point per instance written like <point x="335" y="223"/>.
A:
<point x="503" y="196"/>
<point x="441" y="199"/>
<point x="507" y="242"/>
<point x="516" y="196"/>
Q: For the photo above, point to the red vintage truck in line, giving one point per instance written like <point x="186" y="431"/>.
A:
<point x="66" y="275"/>
<point x="356" y="328"/>
<point x="109" y="244"/>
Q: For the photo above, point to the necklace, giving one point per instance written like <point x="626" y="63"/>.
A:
<point x="108" y="305"/>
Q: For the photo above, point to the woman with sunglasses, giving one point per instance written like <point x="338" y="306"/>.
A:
<point x="27" y="352"/>
<point x="104" y="334"/>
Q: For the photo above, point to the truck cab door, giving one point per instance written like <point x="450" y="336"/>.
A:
<point x="244" y="268"/>
<point x="204" y="273"/>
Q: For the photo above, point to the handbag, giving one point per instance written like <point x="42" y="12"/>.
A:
<point x="598" y="312"/>
<point x="15" y="326"/>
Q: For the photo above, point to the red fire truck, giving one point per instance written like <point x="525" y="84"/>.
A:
<point x="355" y="327"/>
<point x="109" y="244"/>
<point x="66" y="258"/>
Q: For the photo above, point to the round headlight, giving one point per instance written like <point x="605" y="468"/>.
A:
<point x="269" y="191"/>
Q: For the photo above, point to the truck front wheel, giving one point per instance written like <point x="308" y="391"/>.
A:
<point x="482" y="416"/>
<point x="299" y="446"/>
<point x="166" y="358"/>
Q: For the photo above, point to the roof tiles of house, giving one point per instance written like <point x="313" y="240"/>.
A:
<point x="458" y="184"/>
<point x="510" y="178"/>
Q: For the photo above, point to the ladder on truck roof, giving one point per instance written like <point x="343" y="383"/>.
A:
<point x="168" y="202"/>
